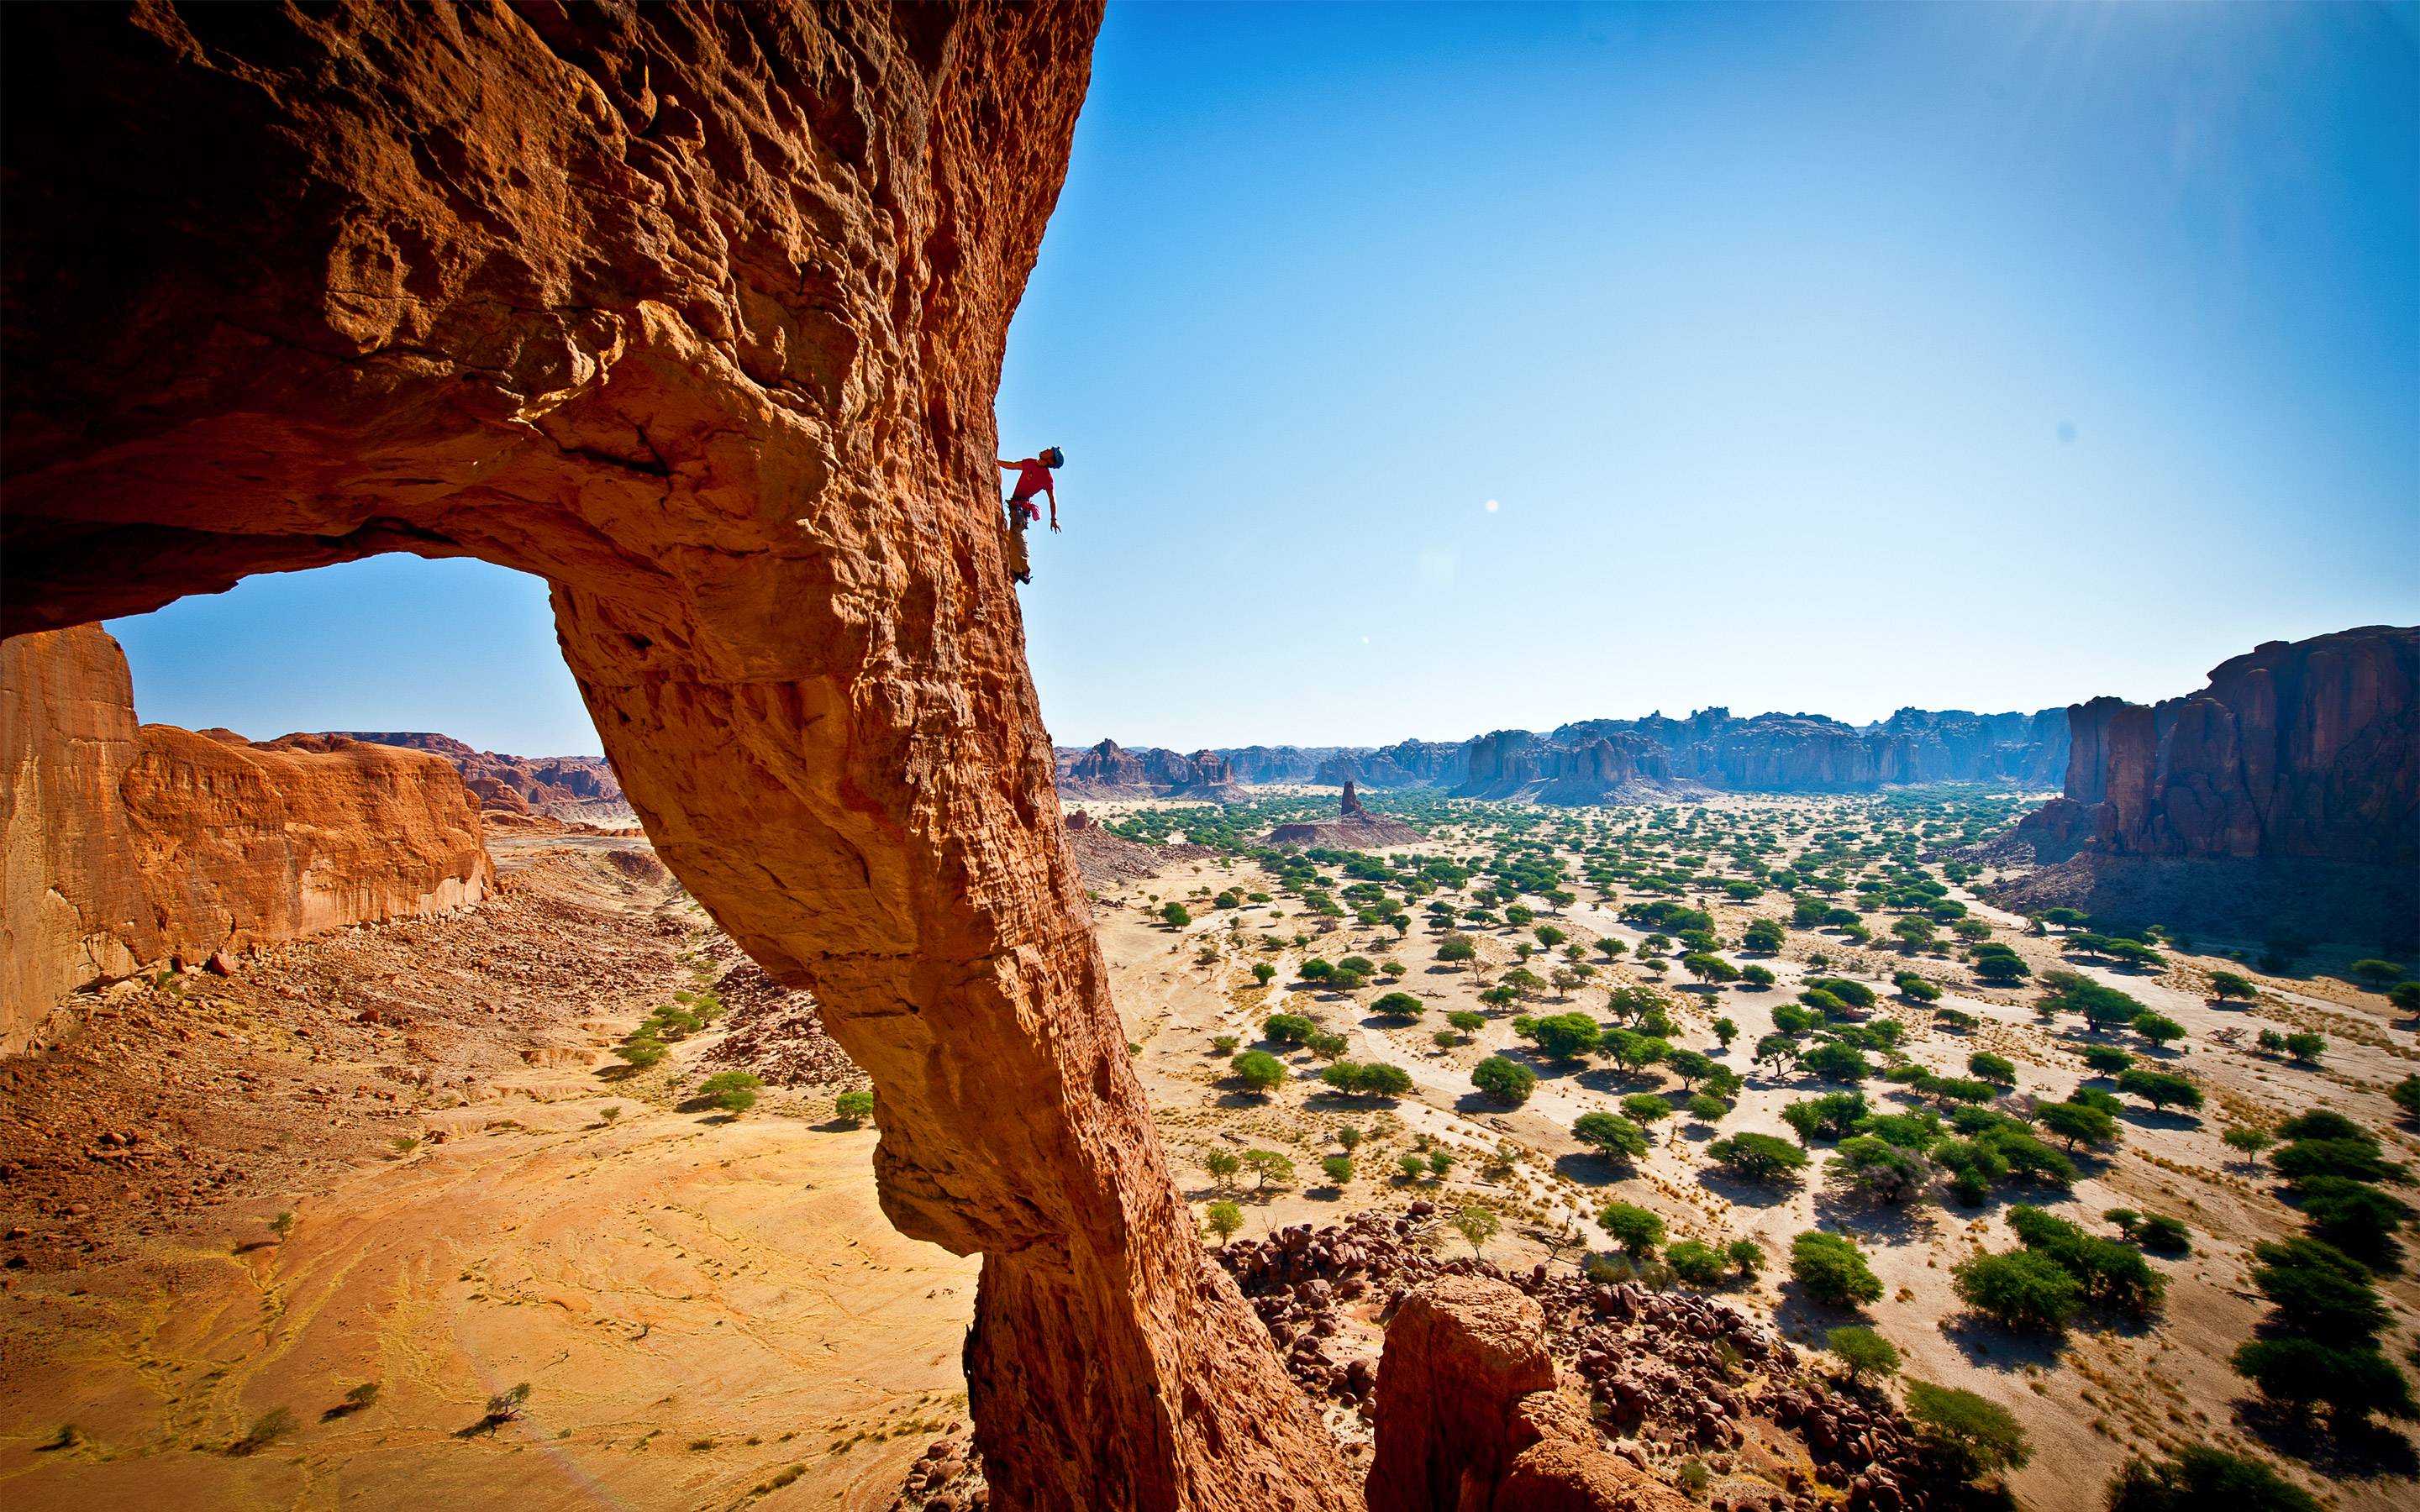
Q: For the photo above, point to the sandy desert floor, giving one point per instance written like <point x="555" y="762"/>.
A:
<point x="710" y="1311"/>
<point x="697" y="1304"/>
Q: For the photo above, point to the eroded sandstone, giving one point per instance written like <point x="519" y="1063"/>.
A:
<point x="696" y="311"/>
<point x="131" y="846"/>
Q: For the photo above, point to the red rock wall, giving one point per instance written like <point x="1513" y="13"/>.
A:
<point x="74" y="910"/>
<point x="2308" y="750"/>
<point x="131" y="846"/>
<point x="695" y="310"/>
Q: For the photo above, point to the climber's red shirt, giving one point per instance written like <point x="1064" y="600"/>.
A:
<point x="1031" y="478"/>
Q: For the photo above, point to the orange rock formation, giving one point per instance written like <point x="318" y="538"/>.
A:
<point x="1469" y="1418"/>
<point x="695" y="310"/>
<point x="131" y="846"/>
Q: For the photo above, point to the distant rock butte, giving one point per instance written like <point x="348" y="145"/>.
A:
<point x="1354" y="829"/>
<point x="581" y="788"/>
<point x="2307" y="750"/>
<point x="130" y="845"/>
<point x="1108" y="770"/>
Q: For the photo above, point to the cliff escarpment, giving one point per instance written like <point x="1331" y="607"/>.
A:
<point x="130" y="845"/>
<point x="2304" y="751"/>
<point x="695" y="310"/>
<point x="2280" y="803"/>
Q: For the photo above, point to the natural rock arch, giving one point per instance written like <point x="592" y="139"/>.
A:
<point x="696" y="311"/>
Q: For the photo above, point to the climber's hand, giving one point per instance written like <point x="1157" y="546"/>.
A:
<point x="1054" y="527"/>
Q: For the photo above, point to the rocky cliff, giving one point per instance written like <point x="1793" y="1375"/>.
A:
<point x="581" y="788"/>
<point x="1109" y="770"/>
<point x="695" y="310"/>
<point x="130" y="845"/>
<point x="2307" y="751"/>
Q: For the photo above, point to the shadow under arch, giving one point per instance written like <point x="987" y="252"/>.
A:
<point x="695" y="311"/>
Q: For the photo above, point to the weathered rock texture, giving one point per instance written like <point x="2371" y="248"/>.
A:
<point x="128" y="845"/>
<point x="581" y="788"/>
<point x="1108" y="770"/>
<point x="696" y="311"/>
<point x="1354" y="829"/>
<point x="2308" y="749"/>
<point x="1468" y="1417"/>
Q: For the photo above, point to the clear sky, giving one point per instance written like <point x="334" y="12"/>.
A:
<point x="1429" y="370"/>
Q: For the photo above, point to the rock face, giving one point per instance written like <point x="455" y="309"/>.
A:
<point x="1109" y="770"/>
<point x="1468" y="1417"/>
<point x="130" y="845"/>
<point x="695" y="310"/>
<point x="2307" y="751"/>
<point x="74" y="912"/>
<point x="1354" y="829"/>
<point x="581" y="788"/>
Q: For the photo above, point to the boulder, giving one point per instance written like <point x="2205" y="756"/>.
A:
<point x="1468" y="1417"/>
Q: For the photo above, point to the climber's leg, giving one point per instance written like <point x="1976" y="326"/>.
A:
<point x="1019" y="567"/>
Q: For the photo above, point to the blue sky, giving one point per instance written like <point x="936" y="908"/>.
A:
<point x="1816" y="358"/>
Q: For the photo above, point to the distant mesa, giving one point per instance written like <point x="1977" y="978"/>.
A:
<point x="1354" y="829"/>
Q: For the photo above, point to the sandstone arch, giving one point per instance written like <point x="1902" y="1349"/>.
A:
<point x="696" y="311"/>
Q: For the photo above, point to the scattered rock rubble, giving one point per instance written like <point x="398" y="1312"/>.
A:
<point x="1670" y="1375"/>
<point x="778" y="1034"/>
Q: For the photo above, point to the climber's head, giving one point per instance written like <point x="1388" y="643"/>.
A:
<point x="1054" y="458"/>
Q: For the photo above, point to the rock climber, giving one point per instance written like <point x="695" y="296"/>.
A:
<point x="1032" y="477"/>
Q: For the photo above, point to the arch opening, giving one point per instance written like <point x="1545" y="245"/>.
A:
<point x="695" y="312"/>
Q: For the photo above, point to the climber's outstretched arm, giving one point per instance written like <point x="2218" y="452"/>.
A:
<point x="1052" y="494"/>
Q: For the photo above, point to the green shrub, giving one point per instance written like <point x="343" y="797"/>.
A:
<point x="1259" y="1071"/>
<point x="2021" y="1289"/>
<point x="1635" y="1228"/>
<point x="1224" y="1219"/>
<point x="1864" y="1352"/>
<point x="733" y="1091"/>
<point x="2351" y="1383"/>
<point x="1505" y="1081"/>
<point x="1614" y="1137"/>
<point x="2203" y="1479"/>
<point x="1833" y="1269"/>
<point x="1964" y="1434"/>
<point x="1696" y="1263"/>
<point x="1881" y="1170"/>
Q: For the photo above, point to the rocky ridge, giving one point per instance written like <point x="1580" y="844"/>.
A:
<point x="1671" y="1375"/>
<point x="1656" y="758"/>
<point x="1108" y="770"/>
<point x="579" y="787"/>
